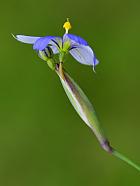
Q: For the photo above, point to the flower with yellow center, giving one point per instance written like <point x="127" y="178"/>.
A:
<point x="48" y="46"/>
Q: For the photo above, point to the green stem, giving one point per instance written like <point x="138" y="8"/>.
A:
<point x="125" y="159"/>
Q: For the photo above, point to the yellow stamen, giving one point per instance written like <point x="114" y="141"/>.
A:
<point x="67" y="25"/>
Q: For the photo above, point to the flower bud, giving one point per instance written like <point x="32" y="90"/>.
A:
<point x="82" y="105"/>
<point x="47" y="55"/>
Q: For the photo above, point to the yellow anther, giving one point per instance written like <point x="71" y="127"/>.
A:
<point x="67" y="26"/>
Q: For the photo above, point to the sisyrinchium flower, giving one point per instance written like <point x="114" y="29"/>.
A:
<point x="47" y="47"/>
<point x="51" y="47"/>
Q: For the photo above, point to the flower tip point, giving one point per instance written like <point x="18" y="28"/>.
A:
<point x="94" y="70"/>
<point x="13" y="36"/>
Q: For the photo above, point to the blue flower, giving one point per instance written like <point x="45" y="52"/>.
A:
<point x="69" y="43"/>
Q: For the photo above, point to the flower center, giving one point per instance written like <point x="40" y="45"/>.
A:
<point x="67" y="26"/>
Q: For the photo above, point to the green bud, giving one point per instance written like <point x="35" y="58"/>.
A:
<point x="49" y="52"/>
<point x="43" y="55"/>
<point x="83" y="106"/>
<point x="47" y="55"/>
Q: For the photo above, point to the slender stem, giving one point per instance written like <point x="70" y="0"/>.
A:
<point x="107" y="147"/>
<point x="125" y="159"/>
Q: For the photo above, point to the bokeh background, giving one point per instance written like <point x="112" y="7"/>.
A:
<point x="43" y="142"/>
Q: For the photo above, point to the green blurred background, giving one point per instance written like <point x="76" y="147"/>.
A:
<point x="43" y="142"/>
